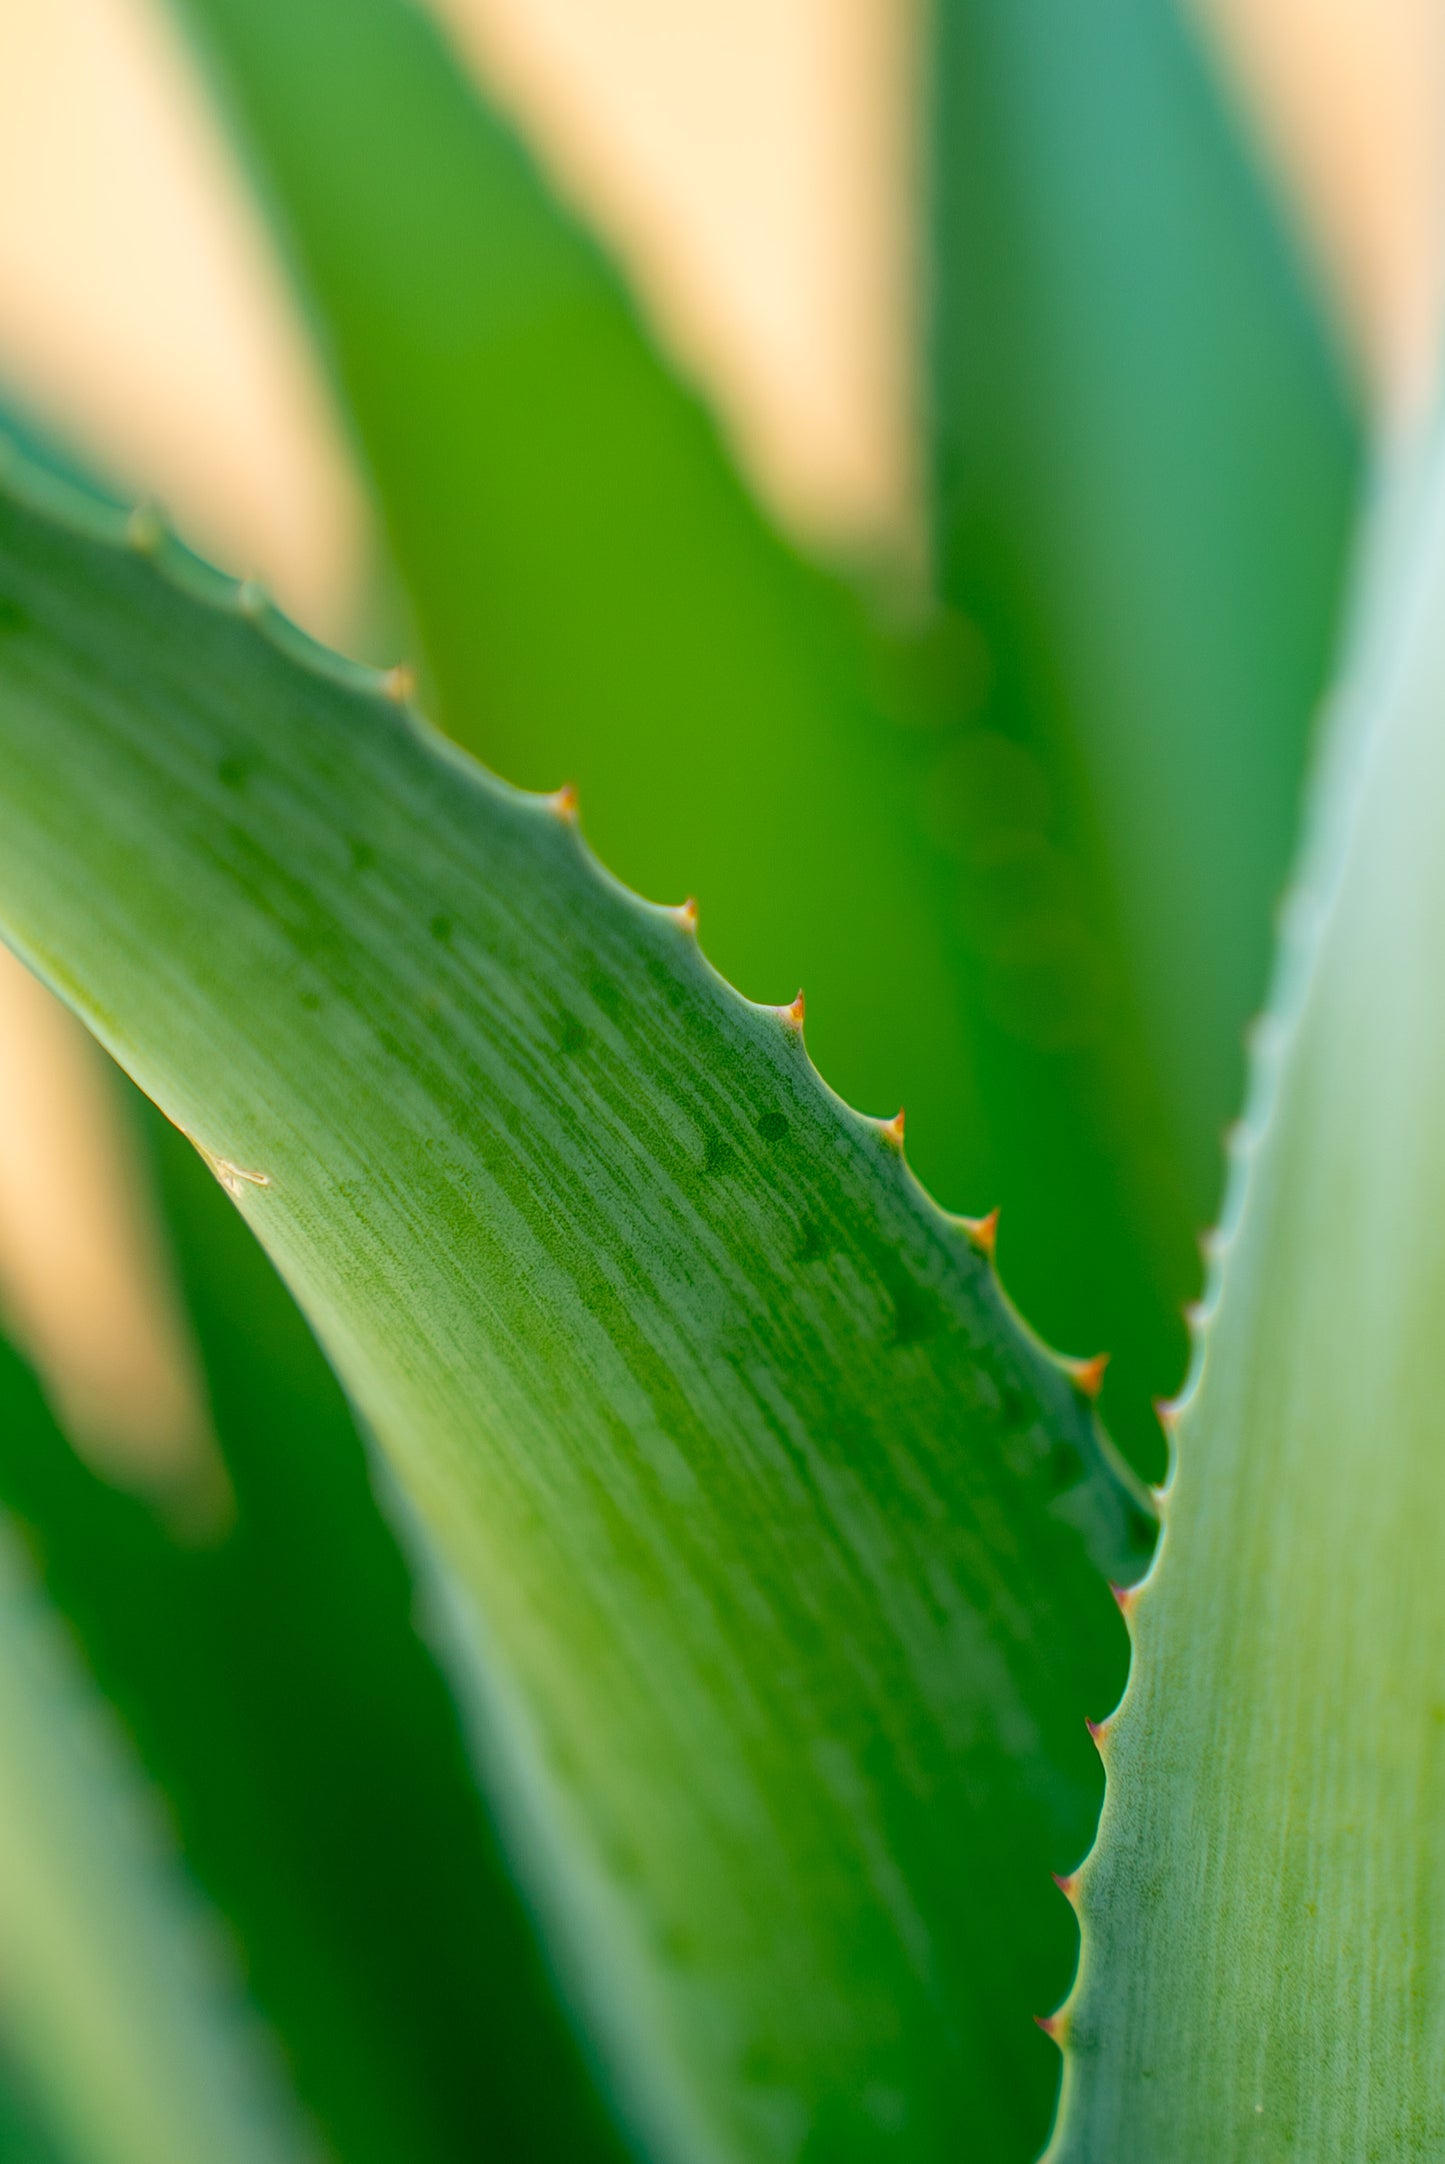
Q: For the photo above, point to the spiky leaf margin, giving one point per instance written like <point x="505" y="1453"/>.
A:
<point x="769" y="1526"/>
<point x="1261" y="1971"/>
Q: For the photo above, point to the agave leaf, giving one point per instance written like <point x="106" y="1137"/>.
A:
<point x="125" y="2035"/>
<point x="838" y="809"/>
<point x="279" y="1696"/>
<point x="599" y="599"/>
<point x="1261" y="1972"/>
<point x="771" y="1535"/>
<point x="1144" y="474"/>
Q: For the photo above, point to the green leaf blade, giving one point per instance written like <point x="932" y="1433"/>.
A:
<point x="1261" y="1972"/>
<point x="765" y="1516"/>
<point x="599" y="598"/>
<point x="279" y="1698"/>
<point x="1145" y="468"/>
<point x="1143" y="482"/>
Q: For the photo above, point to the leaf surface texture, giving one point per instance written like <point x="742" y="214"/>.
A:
<point x="772" y="1539"/>
<point x="1261" y="1973"/>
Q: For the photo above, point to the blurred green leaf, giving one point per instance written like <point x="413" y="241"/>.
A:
<point x="599" y="598"/>
<point x="762" y="1515"/>
<point x="24" y="2136"/>
<point x="1145" y="468"/>
<point x="126" y="2036"/>
<point x="1145" y="471"/>
<point x="1261" y="1971"/>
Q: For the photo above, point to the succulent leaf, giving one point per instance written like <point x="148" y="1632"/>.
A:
<point x="1143" y="480"/>
<point x="306" y="1747"/>
<point x="1144" y="475"/>
<point x="1261" y="1973"/>
<point x="599" y="598"/>
<point x="770" y="1536"/>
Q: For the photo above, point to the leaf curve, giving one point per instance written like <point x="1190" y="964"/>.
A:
<point x="1261" y="1972"/>
<point x="764" y="1512"/>
<point x="1171" y="443"/>
<point x="280" y="1692"/>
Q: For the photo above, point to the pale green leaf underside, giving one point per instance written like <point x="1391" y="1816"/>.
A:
<point x="1263" y="1971"/>
<point x="119" y="2004"/>
<point x="763" y="1513"/>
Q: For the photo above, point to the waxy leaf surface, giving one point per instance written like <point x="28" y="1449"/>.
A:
<point x="772" y="1541"/>
<point x="1262" y="1972"/>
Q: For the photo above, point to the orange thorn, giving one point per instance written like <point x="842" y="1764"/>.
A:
<point x="1088" y="1375"/>
<point x="1166" y="1412"/>
<point x="686" y="914"/>
<point x="983" y="1231"/>
<point x="1053" y="2027"/>
<point x="1066" y="1881"/>
<point x="1098" y="1730"/>
<point x="793" y="1015"/>
<point x="564" y="802"/>
<point x="892" y="1130"/>
<point x="400" y="683"/>
<point x="1124" y="1595"/>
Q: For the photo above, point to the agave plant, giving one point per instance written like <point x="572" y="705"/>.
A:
<point x="653" y="1698"/>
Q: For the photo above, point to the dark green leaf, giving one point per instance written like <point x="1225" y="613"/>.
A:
<point x="1145" y="468"/>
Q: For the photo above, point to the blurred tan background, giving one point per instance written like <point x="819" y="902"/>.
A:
<point x="751" y="162"/>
